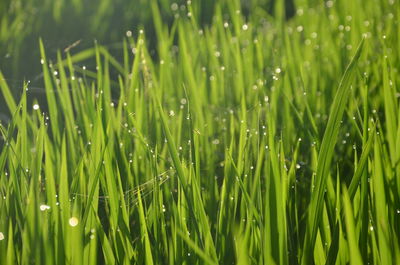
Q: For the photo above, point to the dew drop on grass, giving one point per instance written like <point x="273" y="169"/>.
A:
<point x="44" y="207"/>
<point x="300" y="12"/>
<point x="299" y="28"/>
<point x="73" y="221"/>
<point x="314" y="35"/>
<point x="1" y="236"/>
<point x="35" y="106"/>
<point x="245" y="27"/>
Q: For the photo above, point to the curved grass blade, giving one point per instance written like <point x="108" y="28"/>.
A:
<point x="325" y="157"/>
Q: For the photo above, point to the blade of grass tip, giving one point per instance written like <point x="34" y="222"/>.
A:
<point x="355" y="256"/>
<point x="325" y="157"/>
<point x="10" y="245"/>
<point x="5" y="90"/>
<point x="96" y="178"/>
<point x="362" y="163"/>
<point x="52" y="103"/>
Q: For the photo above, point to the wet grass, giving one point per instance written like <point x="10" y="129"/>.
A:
<point x="254" y="140"/>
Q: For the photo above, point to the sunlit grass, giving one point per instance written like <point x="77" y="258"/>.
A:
<point x="253" y="140"/>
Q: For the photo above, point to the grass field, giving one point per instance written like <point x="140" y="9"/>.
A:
<point x="251" y="140"/>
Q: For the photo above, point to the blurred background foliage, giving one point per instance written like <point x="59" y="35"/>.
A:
<point x="79" y="23"/>
<point x="61" y="23"/>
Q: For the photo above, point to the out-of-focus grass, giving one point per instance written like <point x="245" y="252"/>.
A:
<point x="253" y="140"/>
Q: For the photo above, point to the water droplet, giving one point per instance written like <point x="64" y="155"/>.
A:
<point x="73" y="221"/>
<point x="1" y="236"/>
<point x="299" y="28"/>
<point x="329" y="4"/>
<point x="174" y="6"/>
<point x="245" y="27"/>
<point x="314" y="35"/>
<point x="300" y="12"/>
<point x="35" y="106"/>
<point x="215" y="141"/>
<point x="44" y="207"/>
